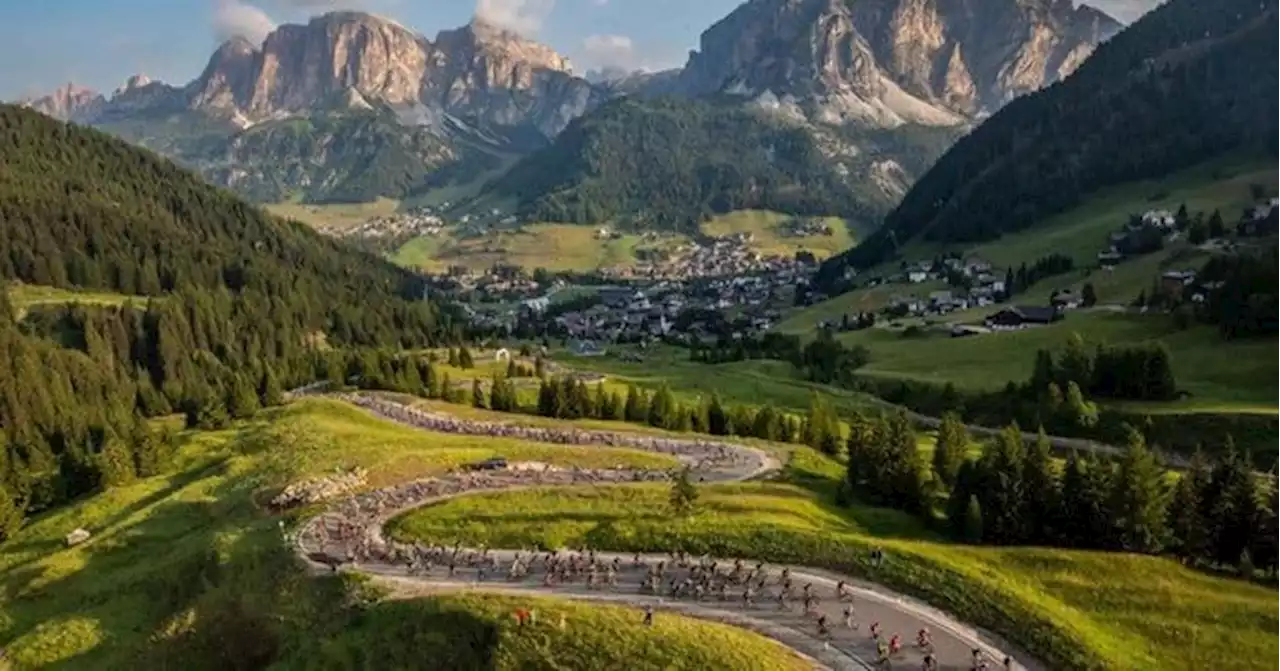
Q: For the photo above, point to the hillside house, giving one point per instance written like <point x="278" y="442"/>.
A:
<point x="1022" y="316"/>
<point x="1172" y="281"/>
<point x="1159" y="218"/>
<point x="539" y="304"/>
<point x="1066" y="299"/>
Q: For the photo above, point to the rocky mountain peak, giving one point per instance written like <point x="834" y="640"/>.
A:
<point x="68" y="102"/>
<point x="133" y="83"/>
<point x="894" y="61"/>
<point x="482" y="39"/>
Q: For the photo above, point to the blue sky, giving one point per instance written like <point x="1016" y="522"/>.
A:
<point x="99" y="43"/>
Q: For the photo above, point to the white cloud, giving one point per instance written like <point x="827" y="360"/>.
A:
<point x="232" y="18"/>
<point x="609" y="51"/>
<point x="523" y="16"/>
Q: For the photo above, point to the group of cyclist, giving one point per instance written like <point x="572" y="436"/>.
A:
<point x="886" y="650"/>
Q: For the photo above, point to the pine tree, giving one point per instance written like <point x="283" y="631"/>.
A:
<point x="1001" y="491"/>
<point x="903" y="466"/>
<point x="684" y="419"/>
<point x="1217" y="228"/>
<point x="1266" y="543"/>
<point x="684" y="495"/>
<point x="242" y="401"/>
<point x="815" y="423"/>
<point x="608" y="404"/>
<point x="1040" y="491"/>
<point x="1075" y="364"/>
<point x="497" y="391"/>
<point x="546" y="399"/>
<point x="1088" y="295"/>
<point x="1045" y="372"/>
<point x="973" y="527"/>
<point x="1189" y="535"/>
<point x="962" y="490"/>
<point x="269" y="392"/>
<point x="1076" y="412"/>
<point x="454" y="360"/>
<point x="10" y="509"/>
<point x="1233" y="507"/>
<point x="477" y="394"/>
<point x="636" y="406"/>
<point x="464" y="359"/>
<point x="446" y="389"/>
<point x="858" y="448"/>
<point x="1138" y="504"/>
<point x="717" y="420"/>
<point x="431" y="380"/>
<point x="951" y="448"/>
<point x="765" y="425"/>
<point x="661" y="412"/>
<point x="150" y="453"/>
<point x="619" y="410"/>
<point x="115" y="464"/>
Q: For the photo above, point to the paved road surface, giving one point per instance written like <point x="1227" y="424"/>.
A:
<point x="349" y="536"/>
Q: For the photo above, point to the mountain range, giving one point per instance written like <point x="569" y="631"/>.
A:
<point x="353" y="106"/>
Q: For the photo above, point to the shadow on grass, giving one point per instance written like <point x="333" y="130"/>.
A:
<point x="210" y="584"/>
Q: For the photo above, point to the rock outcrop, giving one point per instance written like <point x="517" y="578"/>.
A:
<point x="888" y="62"/>
<point x="68" y="102"/>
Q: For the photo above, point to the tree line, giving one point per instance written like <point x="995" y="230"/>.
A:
<point x="1012" y="493"/>
<point x="1244" y="301"/>
<point x="1016" y="282"/>
<point x="77" y="384"/>
<point x="823" y="359"/>
<point x="568" y="397"/>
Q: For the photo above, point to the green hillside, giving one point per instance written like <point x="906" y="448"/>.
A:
<point x="184" y="569"/>
<point x="1188" y="82"/>
<point x="670" y="163"/>
<point x="252" y="305"/>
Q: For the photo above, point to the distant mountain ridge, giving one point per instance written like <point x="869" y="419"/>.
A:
<point x="316" y="106"/>
<point x="345" y="94"/>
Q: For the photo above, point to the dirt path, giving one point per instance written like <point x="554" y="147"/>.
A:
<point x="348" y="536"/>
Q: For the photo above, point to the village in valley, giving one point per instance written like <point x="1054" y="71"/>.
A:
<point x="702" y="288"/>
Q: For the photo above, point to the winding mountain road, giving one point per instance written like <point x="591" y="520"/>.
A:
<point x="348" y="536"/>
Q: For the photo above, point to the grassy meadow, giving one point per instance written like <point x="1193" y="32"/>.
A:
<point x="766" y="230"/>
<point x="756" y="383"/>
<point x="556" y="247"/>
<point x="478" y="631"/>
<point x="1072" y="609"/>
<point x="1082" y="232"/>
<point x="334" y="217"/>
<point x="1215" y="372"/>
<point x="26" y="296"/>
<point x="573" y="247"/>
<point x="168" y="549"/>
